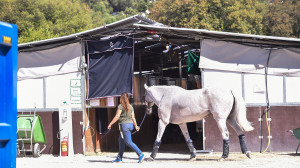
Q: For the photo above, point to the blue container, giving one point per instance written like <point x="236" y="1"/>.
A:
<point x="8" y="94"/>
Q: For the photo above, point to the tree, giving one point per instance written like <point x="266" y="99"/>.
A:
<point x="283" y="18"/>
<point x="241" y="16"/>
<point x="43" y="19"/>
<point x="296" y="26"/>
<point x="130" y="7"/>
<point x="102" y="13"/>
<point x="175" y="13"/>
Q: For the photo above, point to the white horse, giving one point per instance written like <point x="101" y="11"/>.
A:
<point x="179" y="106"/>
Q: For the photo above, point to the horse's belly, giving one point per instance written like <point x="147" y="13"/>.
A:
<point x="185" y="117"/>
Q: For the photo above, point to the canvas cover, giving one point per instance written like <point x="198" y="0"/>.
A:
<point x="229" y="56"/>
<point x="49" y="62"/>
<point x="110" y="67"/>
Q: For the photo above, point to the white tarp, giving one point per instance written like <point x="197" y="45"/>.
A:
<point x="292" y="89"/>
<point x="59" y="89"/>
<point x="229" y="80"/>
<point x="54" y="61"/>
<point x="254" y="86"/>
<point x="63" y="88"/>
<point x="228" y="56"/>
<point x="30" y="93"/>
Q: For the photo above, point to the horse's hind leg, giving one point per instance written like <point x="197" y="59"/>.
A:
<point x="225" y="135"/>
<point x="241" y="135"/>
<point x="188" y="140"/>
<point x="160" y="132"/>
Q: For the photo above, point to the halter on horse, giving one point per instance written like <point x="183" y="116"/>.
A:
<point x="179" y="106"/>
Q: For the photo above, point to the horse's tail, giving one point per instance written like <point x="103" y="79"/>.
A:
<point x="240" y="113"/>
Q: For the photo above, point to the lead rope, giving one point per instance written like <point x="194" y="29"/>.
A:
<point x="141" y="123"/>
<point x="105" y="134"/>
<point x="131" y="133"/>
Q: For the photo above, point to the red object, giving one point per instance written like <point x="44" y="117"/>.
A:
<point x="64" y="147"/>
<point x="151" y="31"/>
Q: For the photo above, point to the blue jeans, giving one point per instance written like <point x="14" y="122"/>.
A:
<point x="125" y="138"/>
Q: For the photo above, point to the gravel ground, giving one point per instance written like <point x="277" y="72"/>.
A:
<point x="163" y="160"/>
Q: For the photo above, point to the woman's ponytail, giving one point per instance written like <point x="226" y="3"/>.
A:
<point x="124" y="101"/>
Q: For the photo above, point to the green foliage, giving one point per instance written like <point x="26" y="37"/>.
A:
<point x="269" y="17"/>
<point x="120" y="5"/>
<point x="296" y="26"/>
<point x="243" y="16"/>
<point x="175" y="13"/>
<point x="43" y="19"/>
<point x="102" y="13"/>
<point x="283" y="18"/>
<point x="130" y="7"/>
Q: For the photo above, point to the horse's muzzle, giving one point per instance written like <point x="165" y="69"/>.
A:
<point x="149" y="111"/>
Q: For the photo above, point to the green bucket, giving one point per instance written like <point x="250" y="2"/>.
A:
<point x="296" y="132"/>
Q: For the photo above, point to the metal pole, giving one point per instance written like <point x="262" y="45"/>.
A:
<point x="260" y="127"/>
<point x="162" y="65"/>
<point x="140" y="76"/>
<point x="180" y="68"/>
<point x="83" y="91"/>
<point x="203" y="132"/>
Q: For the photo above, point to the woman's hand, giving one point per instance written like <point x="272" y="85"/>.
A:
<point x="109" y="126"/>
<point x="137" y="128"/>
<point x="115" y="119"/>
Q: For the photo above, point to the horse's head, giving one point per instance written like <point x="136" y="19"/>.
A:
<point x="148" y="100"/>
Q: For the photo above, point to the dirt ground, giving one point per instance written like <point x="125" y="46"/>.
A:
<point x="163" y="160"/>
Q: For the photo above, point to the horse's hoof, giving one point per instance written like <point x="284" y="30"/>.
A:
<point x="221" y="159"/>
<point x="192" y="159"/>
<point x="248" y="154"/>
<point x="150" y="159"/>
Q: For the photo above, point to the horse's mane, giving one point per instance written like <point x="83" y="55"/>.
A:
<point x="164" y="89"/>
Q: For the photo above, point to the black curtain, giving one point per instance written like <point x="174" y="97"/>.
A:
<point x="110" y="67"/>
<point x="102" y="118"/>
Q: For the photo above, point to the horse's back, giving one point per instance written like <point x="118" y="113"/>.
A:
<point x="216" y="91"/>
<point x="179" y="94"/>
<point x="188" y="105"/>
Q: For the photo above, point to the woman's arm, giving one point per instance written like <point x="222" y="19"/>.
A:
<point x="137" y="128"/>
<point x="115" y="119"/>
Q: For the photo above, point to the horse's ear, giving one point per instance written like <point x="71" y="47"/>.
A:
<point x="145" y="86"/>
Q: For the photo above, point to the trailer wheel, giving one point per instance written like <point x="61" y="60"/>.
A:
<point x="36" y="150"/>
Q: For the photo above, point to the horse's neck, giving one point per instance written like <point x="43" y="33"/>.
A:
<point x="160" y="91"/>
<point x="156" y="96"/>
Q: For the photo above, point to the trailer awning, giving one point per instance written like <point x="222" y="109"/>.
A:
<point x="228" y="56"/>
<point x="49" y="62"/>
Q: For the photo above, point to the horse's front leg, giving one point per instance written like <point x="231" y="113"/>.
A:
<point x="225" y="135"/>
<point x="188" y="140"/>
<point x="160" y="132"/>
